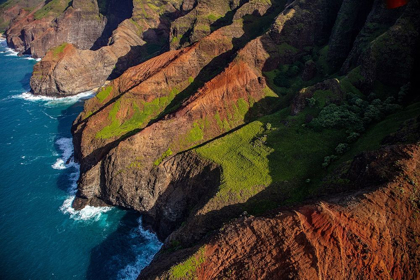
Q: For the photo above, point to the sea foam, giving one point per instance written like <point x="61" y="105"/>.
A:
<point x="66" y="161"/>
<point x="8" y="51"/>
<point x="53" y="101"/>
<point x="11" y="52"/>
<point x="144" y="253"/>
<point x="28" y="57"/>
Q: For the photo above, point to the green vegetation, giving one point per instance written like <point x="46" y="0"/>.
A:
<point x="110" y="131"/>
<point x="87" y="115"/>
<point x="188" y="268"/>
<point x="195" y="134"/>
<point x="237" y="112"/>
<point x="256" y="156"/>
<point x="53" y="8"/>
<point x="279" y="149"/>
<point x="103" y="94"/>
<point x="176" y="39"/>
<point x="355" y="114"/>
<point x="26" y="5"/>
<point x="244" y="166"/>
<point x="213" y="17"/>
<point x="166" y="154"/>
<point x="58" y="50"/>
<point x="286" y="79"/>
<point x="322" y="61"/>
<point x="286" y="49"/>
<point x="138" y="27"/>
<point x="140" y="117"/>
<point x="204" y="27"/>
<point x="371" y="140"/>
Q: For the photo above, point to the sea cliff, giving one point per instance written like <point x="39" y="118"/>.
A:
<point x="259" y="139"/>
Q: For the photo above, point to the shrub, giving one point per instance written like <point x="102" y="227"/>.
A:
<point x="342" y="148"/>
<point x="281" y="81"/>
<point x="355" y="114"/>
<point x="311" y="102"/>
<point x="352" y="136"/>
<point x="293" y="71"/>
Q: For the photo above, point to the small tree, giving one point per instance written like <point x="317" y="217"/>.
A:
<point x="342" y="148"/>
<point x="311" y="102"/>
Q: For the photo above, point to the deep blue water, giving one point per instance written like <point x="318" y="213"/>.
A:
<point x="41" y="236"/>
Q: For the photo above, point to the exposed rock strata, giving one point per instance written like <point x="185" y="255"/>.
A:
<point x="80" y="24"/>
<point x="121" y="151"/>
<point x="218" y="96"/>
<point x="136" y="139"/>
<point x="135" y="40"/>
<point x="126" y="167"/>
<point x="82" y="70"/>
<point x="12" y="9"/>
<point x="371" y="233"/>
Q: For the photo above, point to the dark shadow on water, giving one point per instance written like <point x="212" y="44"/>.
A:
<point x="25" y="81"/>
<point x="65" y="120"/>
<point x="121" y="247"/>
<point x="114" y="253"/>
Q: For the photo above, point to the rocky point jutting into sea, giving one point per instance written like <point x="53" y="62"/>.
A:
<point x="259" y="139"/>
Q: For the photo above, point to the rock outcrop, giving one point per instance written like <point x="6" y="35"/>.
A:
<point x="371" y="232"/>
<point x="37" y="31"/>
<point x="134" y="138"/>
<point x="79" y="70"/>
<point x="12" y="9"/>
<point x="136" y="122"/>
<point x="142" y="36"/>
<point x="213" y="110"/>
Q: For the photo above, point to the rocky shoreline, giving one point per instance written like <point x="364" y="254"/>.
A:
<point x="209" y="112"/>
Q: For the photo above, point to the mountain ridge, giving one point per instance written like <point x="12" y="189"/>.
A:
<point x="251" y="116"/>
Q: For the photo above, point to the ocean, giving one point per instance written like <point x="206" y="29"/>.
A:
<point x="41" y="236"/>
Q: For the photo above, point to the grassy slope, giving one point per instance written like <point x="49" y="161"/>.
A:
<point x="371" y="140"/>
<point x="53" y="8"/>
<point x="280" y="149"/>
<point x="255" y="156"/>
<point x="289" y="152"/>
<point x="28" y="5"/>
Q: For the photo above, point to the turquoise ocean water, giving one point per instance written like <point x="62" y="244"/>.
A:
<point x="41" y="236"/>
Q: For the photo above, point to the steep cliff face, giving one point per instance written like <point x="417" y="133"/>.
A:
<point x="82" y="70"/>
<point x="57" y="22"/>
<point x="188" y="126"/>
<point x="198" y="110"/>
<point x="217" y="109"/>
<point x="153" y="23"/>
<point x="371" y="232"/>
<point x="142" y="36"/>
<point x="158" y="109"/>
<point x="10" y="10"/>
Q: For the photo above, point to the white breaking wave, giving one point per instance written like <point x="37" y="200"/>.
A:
<point x="87" y="213"/>
<point x="10" y="52"/>
<point x="3" y="42"/>
<point x="52" y="101"/>
<point x="144" y="256"/>
<point x="30" y="58"/>
<point x="66" y="161"/>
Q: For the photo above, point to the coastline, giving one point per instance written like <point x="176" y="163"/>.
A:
<point x="47" y="188"/>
